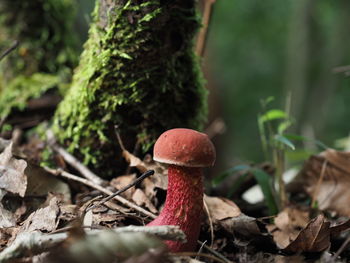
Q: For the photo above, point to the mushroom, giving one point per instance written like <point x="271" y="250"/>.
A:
<point x="186" y="151"/>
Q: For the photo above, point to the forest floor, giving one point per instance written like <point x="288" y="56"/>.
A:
<point x="59" y="212"/>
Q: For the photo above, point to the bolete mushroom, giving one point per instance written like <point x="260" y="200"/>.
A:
<point x="187" y="152"/>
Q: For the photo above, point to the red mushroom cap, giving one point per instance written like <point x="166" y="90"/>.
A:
<point x="184" y="147"/>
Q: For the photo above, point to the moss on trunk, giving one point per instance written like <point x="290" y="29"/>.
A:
<point x="47" y="49"/>
<point x="137" y="71"/>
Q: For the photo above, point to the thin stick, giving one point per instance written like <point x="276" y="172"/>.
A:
<point x="210" y="222"/>
<point x="217" y="254"/>
<point x="121" y="144"/>
<point x="318" y="185"/>
<point x="74" y="162"/>
<point x="138" y="180"/>
<point x="202" y="36"/>
<point x="193" y="254"/>
<point x="101" y="189"/>
<point x="9" y="50"/>
<point x="33" y="243"/>
<point x="341" y="249"/>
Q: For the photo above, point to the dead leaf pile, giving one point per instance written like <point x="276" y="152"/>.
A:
<point x="327" y="180"/>
<point x="294" y="232"/>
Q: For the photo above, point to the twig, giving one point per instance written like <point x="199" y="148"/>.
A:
<point x="138" y="180"/>
<point x="318" y="185"/>
<point x="217" y="254"/>
<point x="202" y="36"/>
<point x="37" y="242"/>
<point x="341" y="249"/>
<point x="121" y="144"/>
<point x="192" y="254"/>
<point x="210" y="222"/>
<point x="74" y="162"/>
<point x="9" y="50"/>
<point x="99" y="188"/>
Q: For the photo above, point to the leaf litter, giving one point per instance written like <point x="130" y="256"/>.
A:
<point x="292" y="231"/>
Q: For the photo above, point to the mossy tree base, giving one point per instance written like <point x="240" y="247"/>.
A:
<point x="137" y="71"/>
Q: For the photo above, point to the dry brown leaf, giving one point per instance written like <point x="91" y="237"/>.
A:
<point x="12" y="177"/>
<point x="221" y="208"/>
<point x="135" y="161"/>
<point x="288" y="225"/>
<point x="244" y="225"/>
<point x="122" y="181"/>
<point x="227" y="215"/>
<point x="337" y="229"/>
<point x="143" y="166"/>
<point x="7" y="218"/>
<point x="40" y="183"/>
<point x="315" y="237"/>
<point x="140" y="198"/>
<point x="43" y="219"/>
<point x="327" y="178"/>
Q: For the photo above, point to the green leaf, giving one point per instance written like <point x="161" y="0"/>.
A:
<point x="264" y="181"/>
<point x="273" y="115"/>
<point x="284" y="126"/>
<point x="282" y="139"/>
<point x="302" y="138"/>
<point x="268" y="100"/>
<point x="217" y="180"/>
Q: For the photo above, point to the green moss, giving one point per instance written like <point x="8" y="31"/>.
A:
<point x="137" y="71"/>
<point x="47" y="48"/>
<point x="24" y="88"/>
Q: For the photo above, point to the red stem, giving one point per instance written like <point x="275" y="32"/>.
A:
<point x="183" y="205"/>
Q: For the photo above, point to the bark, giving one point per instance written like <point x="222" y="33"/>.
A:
<point x="137" y="71"/>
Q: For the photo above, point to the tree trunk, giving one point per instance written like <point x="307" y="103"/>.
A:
<point x="137" y="71"/>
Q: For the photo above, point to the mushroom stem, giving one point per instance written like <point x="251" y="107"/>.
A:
<point x="183" y="205"/>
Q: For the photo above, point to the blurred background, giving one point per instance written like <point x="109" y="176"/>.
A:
<point x="283" y="49"/>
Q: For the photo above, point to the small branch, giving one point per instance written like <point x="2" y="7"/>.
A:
<point x="340" y="250"/>
<point x="138" y="180"/>
<point x="34" y="243"/>
<point x="206" y="208"/>
<point x="9" y="50"/>
<point x="202" y="36"/>
<point x="74" y="162"/>
<point x="101" y="189"/>
<point x="120" y="141"/>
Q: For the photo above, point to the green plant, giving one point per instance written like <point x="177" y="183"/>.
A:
<point x="272" y="124"/>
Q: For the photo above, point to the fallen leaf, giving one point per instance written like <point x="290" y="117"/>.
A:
<point x="40" y="183"/>
<point x="140" y="198"/>
<point x="287" y="225"/>
<point x="337" y="229"/>
<point x="43" y="219"/>
<point x="142" y="166"/>
<point x="7" y="218"/>
<point x="227" y="215"/>
<point x="326" y="179"/>
<point x="12" y="177"/>
<point x="246" y="226"/>
<point x="122" y="181"/>
<point x="221" y="208"/>
<point x="315" y="237"/>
